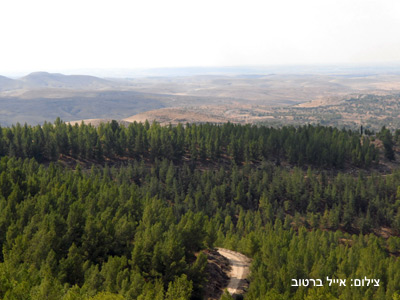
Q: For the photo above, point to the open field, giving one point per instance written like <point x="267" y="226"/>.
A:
<point x="369" y="110"/>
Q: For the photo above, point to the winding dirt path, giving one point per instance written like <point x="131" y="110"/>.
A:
<point x="240" y="270"/>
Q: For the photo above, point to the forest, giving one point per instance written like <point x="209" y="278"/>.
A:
<point x="114" y="212"/>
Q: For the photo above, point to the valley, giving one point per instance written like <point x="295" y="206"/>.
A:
<point x="348" y="100"/>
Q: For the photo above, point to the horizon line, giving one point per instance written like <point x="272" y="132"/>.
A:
<point x="118" y="72"/>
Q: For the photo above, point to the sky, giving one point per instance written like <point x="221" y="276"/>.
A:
<point x="56" y="35"/>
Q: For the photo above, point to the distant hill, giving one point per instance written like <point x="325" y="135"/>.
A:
<point x="55" y="80"/>
<point x="8" y="83"/>
<point x="78" y="106"/>
<point x="40" y="80"/>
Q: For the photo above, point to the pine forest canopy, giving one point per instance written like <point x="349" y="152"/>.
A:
<point x="130" y="219"/>
<point x="307" y="145"/>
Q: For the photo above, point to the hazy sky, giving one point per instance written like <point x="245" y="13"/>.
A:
<point x="75" y="34"/>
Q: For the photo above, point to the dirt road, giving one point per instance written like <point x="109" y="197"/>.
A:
<point x="240" y="270"/>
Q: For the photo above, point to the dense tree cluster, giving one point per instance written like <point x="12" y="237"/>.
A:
<point x="137" y="230"/>
<point x="284" y="255"/>
<point x="308" y="145"/>
<point x="67" y="232"/>
<point x="387" y="140"/>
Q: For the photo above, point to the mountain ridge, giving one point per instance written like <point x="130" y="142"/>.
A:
<point x="8" y="83"/>
<point x="58" y="80"/>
